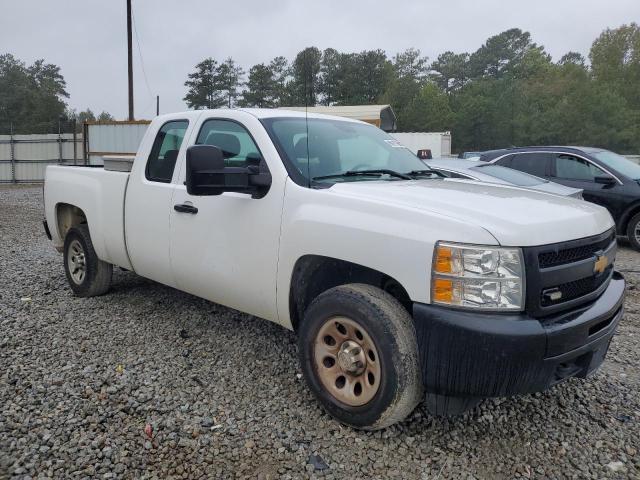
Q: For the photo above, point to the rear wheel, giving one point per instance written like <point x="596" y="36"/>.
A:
<point x="359" y="355"/>
<point x="87" y="275"/>
<point x="633" y="231"/>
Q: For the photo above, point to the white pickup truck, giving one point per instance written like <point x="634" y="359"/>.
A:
<point x="397" y="281"/>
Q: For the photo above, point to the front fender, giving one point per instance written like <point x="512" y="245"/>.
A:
<point x="390" y="239"/>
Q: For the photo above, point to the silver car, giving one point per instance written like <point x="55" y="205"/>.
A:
<point x="487" y="172"/>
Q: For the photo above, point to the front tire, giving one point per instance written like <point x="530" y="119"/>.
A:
<point x="633" y="231"/>
<point x="88" y="276"/>
<point x="359" y="355"/>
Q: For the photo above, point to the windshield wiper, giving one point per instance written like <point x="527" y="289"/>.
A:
<point x="356" y="173"/>
<point x="419" y="173"/>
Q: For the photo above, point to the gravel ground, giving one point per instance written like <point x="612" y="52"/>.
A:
<point x="82" y="379"/>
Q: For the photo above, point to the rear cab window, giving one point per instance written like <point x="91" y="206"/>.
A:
<point x="164" y="152"/>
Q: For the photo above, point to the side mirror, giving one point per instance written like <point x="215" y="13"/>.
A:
<point x="206" y="174"/>
<point x="605" y="179"/>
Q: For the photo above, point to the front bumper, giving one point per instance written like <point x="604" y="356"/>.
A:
<point x="476" y="354"/>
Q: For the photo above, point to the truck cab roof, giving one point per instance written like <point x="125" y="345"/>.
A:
<point x="260" y="113"/>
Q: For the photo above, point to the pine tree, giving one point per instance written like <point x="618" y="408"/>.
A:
<point x="204" y="86"/>
<point x="261" y="89"/>
<point x="230" y="79"/>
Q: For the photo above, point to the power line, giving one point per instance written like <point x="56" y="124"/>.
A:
<point x="144" y="72"/>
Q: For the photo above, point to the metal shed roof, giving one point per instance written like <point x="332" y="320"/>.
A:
<point x="381" y="116"/>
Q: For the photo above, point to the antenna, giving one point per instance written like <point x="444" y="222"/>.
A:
<point x="306" y="115"/>
<point x="130" y="59"/>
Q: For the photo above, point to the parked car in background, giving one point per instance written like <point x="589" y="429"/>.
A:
<point x="469" y="154"/>
<point x="605" y="177"/>
<point x="490" y="173"/>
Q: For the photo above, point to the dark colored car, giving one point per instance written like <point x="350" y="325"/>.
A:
<point x="606" y="178"/>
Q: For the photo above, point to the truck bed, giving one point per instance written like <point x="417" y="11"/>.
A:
<point x="100" y="194"/>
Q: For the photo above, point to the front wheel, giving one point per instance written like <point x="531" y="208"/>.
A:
<point x="633" y="231"/>
<point x="87" y="275"/>
<point x="359" y="355"/>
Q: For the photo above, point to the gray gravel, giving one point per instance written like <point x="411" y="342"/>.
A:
<point x="219" y="393"/>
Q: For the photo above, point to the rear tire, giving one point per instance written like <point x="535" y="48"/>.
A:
<point x="359" y="355"/>
<point x="88" y="276"/>
<point x="633" y="231"/>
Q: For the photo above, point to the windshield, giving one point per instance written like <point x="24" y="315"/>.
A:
<point x="619" y="163"/>
<point x="510" y="175"/>
<point x="336" y="147"/>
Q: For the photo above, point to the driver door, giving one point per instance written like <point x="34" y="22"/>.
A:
<point x="225" y="247"/>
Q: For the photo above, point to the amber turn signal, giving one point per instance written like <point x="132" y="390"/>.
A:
<point x="443" y="261"/>
<point x="443" y="290"/>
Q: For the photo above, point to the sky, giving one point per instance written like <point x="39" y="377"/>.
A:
<point x="87" y="38"/>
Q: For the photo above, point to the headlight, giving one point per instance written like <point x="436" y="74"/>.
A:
<point x="477" y="276"/>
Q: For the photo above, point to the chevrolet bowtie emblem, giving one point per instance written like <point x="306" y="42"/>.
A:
<point x="601" y="264"/>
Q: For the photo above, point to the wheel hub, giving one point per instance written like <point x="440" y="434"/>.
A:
<point x="351" y="358"/>
<point x="346" y="361"/>
<point x="76" y="262"/>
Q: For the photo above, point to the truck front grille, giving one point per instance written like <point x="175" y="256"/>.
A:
<point x="562" y="276"/>
<point x="575" y="289"/>
<point x="563" y="256"/>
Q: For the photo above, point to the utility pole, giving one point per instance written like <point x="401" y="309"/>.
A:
<point x="130" y="59"/>
<point x="157" y="105"/>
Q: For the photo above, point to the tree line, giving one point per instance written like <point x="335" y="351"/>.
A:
<point x="33" y="99"/>
<point x="508" y="92"/>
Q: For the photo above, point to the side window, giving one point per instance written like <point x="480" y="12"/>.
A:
<point x="574" y="168"/>
<point x="232" y="138"/>
<point x="533" y="163"/>
<point x="164" y="151"/>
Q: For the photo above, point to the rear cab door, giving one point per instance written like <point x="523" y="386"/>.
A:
<point x="149" y="194"/>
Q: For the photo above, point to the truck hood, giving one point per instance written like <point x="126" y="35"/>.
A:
<point x="514" y="216"/>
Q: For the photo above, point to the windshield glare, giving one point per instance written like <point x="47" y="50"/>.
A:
<point x="336" y="147"/>
<point x="626" y="167"/>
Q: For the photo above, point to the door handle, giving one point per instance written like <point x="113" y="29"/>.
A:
<point x="185" y="208"/>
